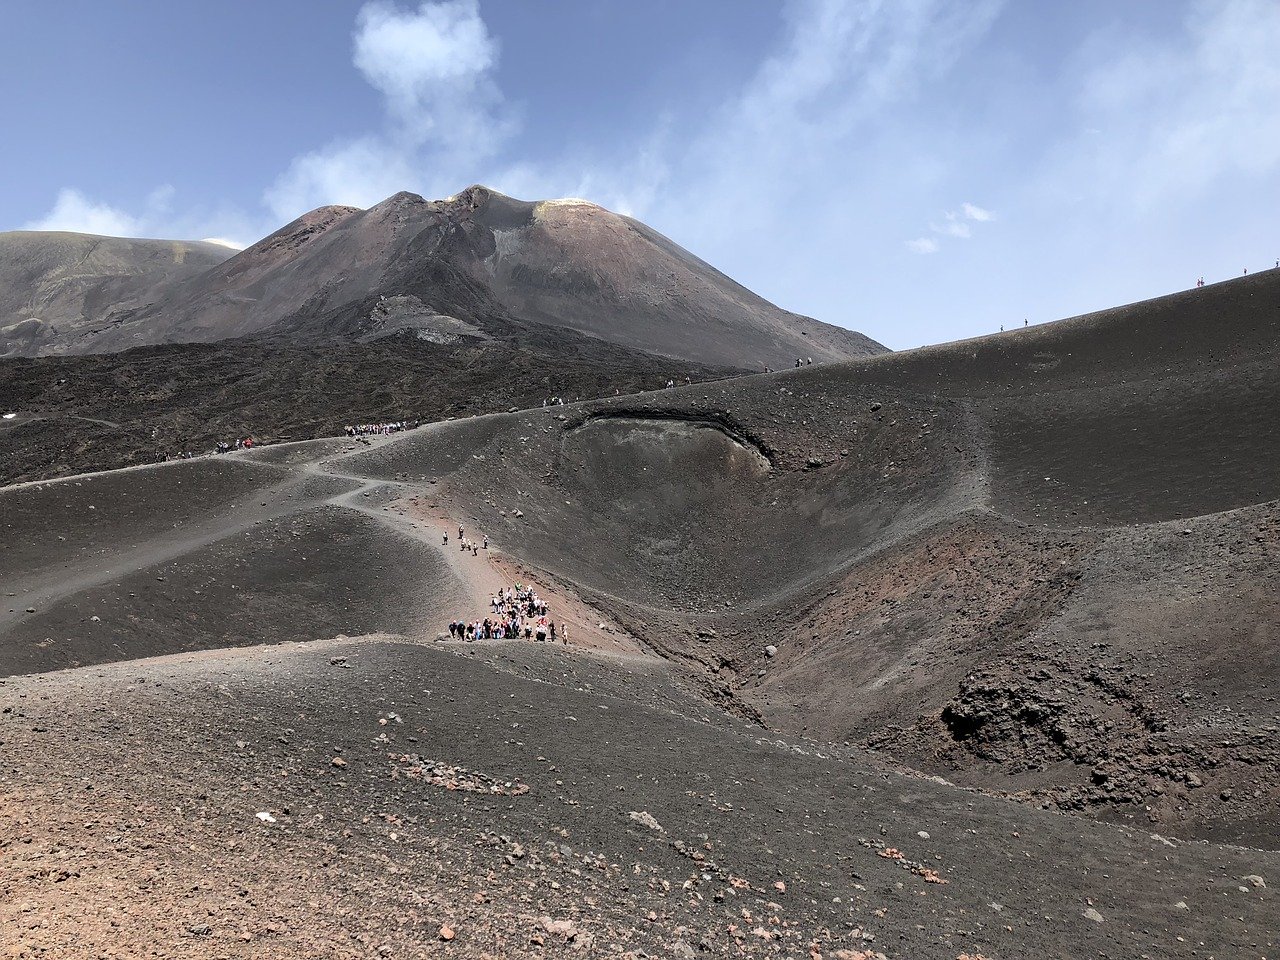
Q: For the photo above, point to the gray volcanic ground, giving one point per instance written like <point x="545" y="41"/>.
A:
<point x="464" y="268"/>
<point x="962" y="652"/>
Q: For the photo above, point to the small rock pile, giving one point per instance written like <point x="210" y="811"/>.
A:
<point x="449" y="777"/>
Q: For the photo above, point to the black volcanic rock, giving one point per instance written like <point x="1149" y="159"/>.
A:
<point x="479" y="257"/>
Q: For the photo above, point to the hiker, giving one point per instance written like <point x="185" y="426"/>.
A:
<point x="459" y="531"/>
<point x="564" y="634"/>
<point x="797" y="361"/>
<point x="486" y="541"/>
<point x="553" y="631"/>
<point x="446" y="538"/>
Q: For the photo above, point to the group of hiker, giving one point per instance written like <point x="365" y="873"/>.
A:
<point x="241" y="443"/>
<point x="466" y="544"/>
<point x="378" y="429"/>
<point x="517" y="612"/>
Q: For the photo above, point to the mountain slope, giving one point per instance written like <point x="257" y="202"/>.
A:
<point x="55" y="285"/>
<point x="1043" y="563"/>
<point x="472" y="265"/>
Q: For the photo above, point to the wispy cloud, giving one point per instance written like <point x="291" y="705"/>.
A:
<point x="75" y="212"/>
<point x="155" y="216"/>
<point x="444" y="116"/>
<point x="953" y="227"/>
<point x="1180" y="111"/>
<point x="956" y="224"/>
<point x="922" y="245"/>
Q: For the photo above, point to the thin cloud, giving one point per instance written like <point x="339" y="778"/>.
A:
<point x="957" y="224"/>
<point x="444" y="113"/>
<point x="1185" y="110"/>
<point x="954" y="227"/>
<point x="922" y="245"/>
<point x="75" y="212"/>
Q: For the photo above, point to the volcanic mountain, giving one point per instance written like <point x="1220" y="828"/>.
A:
<point x="476" y="265"/>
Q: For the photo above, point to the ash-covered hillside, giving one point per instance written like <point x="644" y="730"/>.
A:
<point x="468" y="266"/>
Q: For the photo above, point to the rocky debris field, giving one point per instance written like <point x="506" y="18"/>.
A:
<point x="255" y="802"/>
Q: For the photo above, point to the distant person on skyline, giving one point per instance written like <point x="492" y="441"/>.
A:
<point x="1200" y="282"/>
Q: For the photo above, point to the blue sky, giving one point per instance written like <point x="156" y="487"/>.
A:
<point x="920" y="170"/>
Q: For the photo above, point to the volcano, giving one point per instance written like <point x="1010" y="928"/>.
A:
<point x="476" y="265"/>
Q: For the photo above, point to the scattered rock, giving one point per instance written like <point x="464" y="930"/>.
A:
<point x="1094" y="915"/>
<point x="771" y="651"/>
<point x="645" y="819"/>
<point x="565" y="929"/>
<point x="447" y="933"/>
<point x="450" y="777"/>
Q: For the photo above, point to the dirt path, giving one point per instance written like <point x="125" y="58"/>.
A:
<point x="399" y="507"/>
